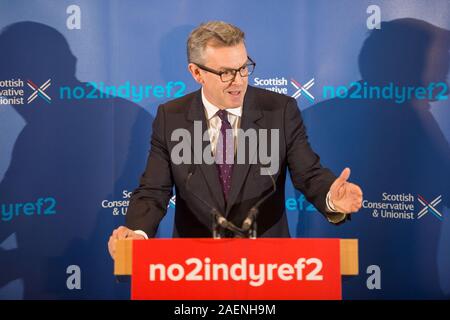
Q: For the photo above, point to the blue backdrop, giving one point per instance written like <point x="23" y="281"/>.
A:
<point x="80" y="82"/>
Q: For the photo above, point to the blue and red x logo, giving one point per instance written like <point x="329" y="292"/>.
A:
<point x="39" y="91"/>
<point x="303" y="89"/>
<point x="429" y="207"/>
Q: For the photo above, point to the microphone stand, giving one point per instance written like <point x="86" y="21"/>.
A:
<point x="218" y="220"/>
<point x="249" y="225"/>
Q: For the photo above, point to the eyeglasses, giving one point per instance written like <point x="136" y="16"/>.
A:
<point x="229" y="75"/>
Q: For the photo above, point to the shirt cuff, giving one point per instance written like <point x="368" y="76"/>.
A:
<point x="330" y="206"/>
<point x="142" y="233"/>
<point x="334" y="216"/>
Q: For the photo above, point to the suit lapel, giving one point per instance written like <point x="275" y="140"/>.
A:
<point x="197" y="113"/>
<point x="250" y="114"/>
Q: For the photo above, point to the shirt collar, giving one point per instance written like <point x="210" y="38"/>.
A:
<point x="211" y="109"/>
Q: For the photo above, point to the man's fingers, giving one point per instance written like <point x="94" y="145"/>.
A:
<point x="112" y="246"/>
<point x="355" y="191"/>
<point x="357" y="197"/>
<point x="356" y="204"/>
<point x="118" y="234"/>
<point x="123" y="233"/>
<point x="350" y="204"/>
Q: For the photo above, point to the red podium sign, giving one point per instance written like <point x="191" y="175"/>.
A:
<point x="236" y="269"/>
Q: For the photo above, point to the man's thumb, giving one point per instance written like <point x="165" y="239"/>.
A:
<point x="345" y="174"/>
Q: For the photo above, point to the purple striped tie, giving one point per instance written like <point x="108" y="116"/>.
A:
<point x="225" y="153"/>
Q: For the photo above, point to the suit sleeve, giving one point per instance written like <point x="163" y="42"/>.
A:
<point x="148" y="203"/>
<point x="307" y="174"/>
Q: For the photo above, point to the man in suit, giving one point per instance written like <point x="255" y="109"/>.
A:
<point x="227" y="107"/>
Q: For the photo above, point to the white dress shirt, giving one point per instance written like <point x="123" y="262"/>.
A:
<point x="214" y="122"/>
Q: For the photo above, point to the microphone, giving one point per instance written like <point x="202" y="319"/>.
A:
<point x="217" y="216"/>
<point x="253" y="212"/>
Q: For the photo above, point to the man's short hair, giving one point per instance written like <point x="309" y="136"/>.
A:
<point x="213" y="33"/>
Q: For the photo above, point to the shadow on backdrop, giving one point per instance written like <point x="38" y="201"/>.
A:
<point x="392" y="147"/>
<point x="173" y="57"/>
<point x="173" y="67"/>
<point x="78" y="152"/>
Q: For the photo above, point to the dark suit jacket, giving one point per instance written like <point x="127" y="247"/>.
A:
<point x="262" y="109"/>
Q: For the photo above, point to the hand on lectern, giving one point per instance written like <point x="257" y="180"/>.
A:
<point x="121" y="233"/>
<point x="345" y="196"/>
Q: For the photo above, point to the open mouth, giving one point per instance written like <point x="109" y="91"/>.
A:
<point x="235" y="92"/>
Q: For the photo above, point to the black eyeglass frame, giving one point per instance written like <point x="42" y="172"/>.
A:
<point x="220" y="73"/>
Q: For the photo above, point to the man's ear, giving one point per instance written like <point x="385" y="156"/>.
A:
<point x="195" y="72"/>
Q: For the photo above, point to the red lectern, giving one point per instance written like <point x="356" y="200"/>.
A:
<point x="236" y="269"/>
